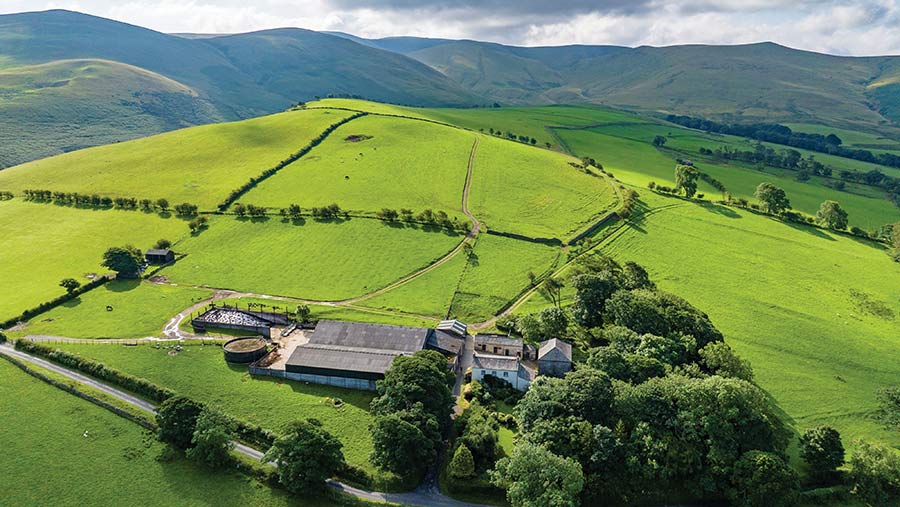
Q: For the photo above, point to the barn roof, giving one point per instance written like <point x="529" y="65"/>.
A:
<point x="492" y="362"/>
<point x="565" y="348"/>
<point x="443" y="340"/>
<point x="342" y="358"/>
<point x="378" y="337"/>
<point x="498" y="339"/>
<point x="453" y="326"/>
<point x="157" y="251"/>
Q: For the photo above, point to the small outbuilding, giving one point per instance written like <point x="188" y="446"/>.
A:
<point x="159" y="256"/>
<point x="500" y="345"/>
<point x="554" y="358"/>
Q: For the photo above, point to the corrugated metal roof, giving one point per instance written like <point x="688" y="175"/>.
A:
<point x="453" y="326"/>
<point x="375" y="337"/>
<point x="342" y="358"/>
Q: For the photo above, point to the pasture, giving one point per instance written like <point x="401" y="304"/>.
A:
<point x="316" y="260"/>
<point x="200" y="372"/>
<point x="376" y="162"/>
<point x="44" y="243"/>
<point x="138" y="310"/>
<point x="537" y="193"/>
<point x="627" y="153"/>
<point x="200" y="165"/>
<point x="64" y="451"/>
<point x="816" y="313"/>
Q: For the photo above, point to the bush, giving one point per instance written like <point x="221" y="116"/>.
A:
<point x="875" y="473"/>
<point x="822" y="450"/>
<point x="762" y="479"/>
<point x="462" y="466"/>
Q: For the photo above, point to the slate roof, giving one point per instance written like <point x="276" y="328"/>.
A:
<point x="555" y="344"/>
<point x="353" y="346"/>
<point x="453" y="326"/>
<point x="442" y="340"/>
<point x="498" y="339"/>
<point x="492" y="362"/>
<point x="157" y="251"/>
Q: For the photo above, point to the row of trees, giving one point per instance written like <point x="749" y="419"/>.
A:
<point x="781" y="134"/>
<point x="429" y="216"/>
<point x="514" y="137"/>
<point x="96" y="201"/>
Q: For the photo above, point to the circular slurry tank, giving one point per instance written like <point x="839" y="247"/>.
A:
<point x="245" y="350"/>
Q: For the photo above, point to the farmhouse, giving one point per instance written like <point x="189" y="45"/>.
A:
<point x="500" y="345"/>
<point x="507" y="368"/>
<point x="554" y="358"/>
<point x="159" y="256"/>
<point x="356" y="355"/>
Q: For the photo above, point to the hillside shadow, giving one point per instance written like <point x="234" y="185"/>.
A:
<point x="808" y="229"/>
<point x="123" y="285"/>
<point x="720" y="210"/>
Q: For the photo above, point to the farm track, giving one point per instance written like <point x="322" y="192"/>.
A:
<point x="610" y="239"/>
<point x="426" y="495"/>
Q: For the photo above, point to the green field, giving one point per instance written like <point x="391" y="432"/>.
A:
<point x="537" y="193"/>
<point x="200" y="165"/>
<point x="200" y="372"/>
<point x="138" y="310"/>
<point x="50" y="460"/>
<point x="430" y="294"/>
<point x="379" y="172"/>
<point x="627" y="153"/>
<point x="44" y="243"/>
<point x="316" y="260"/>
<point x="816" y="313"/>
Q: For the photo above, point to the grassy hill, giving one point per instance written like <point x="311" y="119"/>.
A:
<point x="154" y="82"/>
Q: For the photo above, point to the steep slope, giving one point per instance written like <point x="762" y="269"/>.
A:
<point x="219" y="78"/>
<point x="71" y="104"/>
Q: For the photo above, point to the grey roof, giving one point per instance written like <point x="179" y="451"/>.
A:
<point x="157" y="251"/>
<point x="373" y="337"/>
<point x="453" y="326"/>
<point x="341" y="358"/>
<point x="565" y="348"/>
<point x="526" y="373"/>
<point x="444" y="340"/>
<point x="492" y="362"/>
<point x="498" y="339"/>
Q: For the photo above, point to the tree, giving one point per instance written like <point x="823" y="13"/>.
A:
<point x="163" y="244"/>
<point x="125" y="261"/>
<point x="421" y="378"/>
<point x="721" y="360"/>
<point x="822" y="450"/>
<point x="551" y="288"/>
<point x="198" y="223"/>
<point x="659" y="141"/>
<point x="831" y="215"/>
<point x="772" y="198"/>
<point x="177" y="420"/>
<point x="303" y="312"/>
<point x="239" y="209"/>
<point x="875" y="473"/>
<point x="889" y="406"/>
<point x="686" y="177"/>
<point x="306" y="456"/>
<point x="212" y="439"/>
<point x="589" y="394"/>
<point x="162" y="204"/>
<point x="895" y="236"/>
<point x="535" y="477"/>
<point x="400" y="446"/>
<point x="762" y="479"/>
<point x="591" y="293"/>
<point x="70" y="284"/>
<point x="462" y="466"/>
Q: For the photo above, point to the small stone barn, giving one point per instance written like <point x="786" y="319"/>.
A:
<point x="500" y="345"/>
<point x="158" y="256"/>
<point x="554" y="358"/>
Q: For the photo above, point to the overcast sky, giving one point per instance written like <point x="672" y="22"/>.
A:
<point x="862" y="27"/>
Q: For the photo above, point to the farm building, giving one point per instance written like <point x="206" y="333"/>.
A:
<point x="453" y="327"/>
<point x="242" y="320"/>
<point x="554" y="358"/>
<point x="356" y="355"/>
<point x="159" y="256"/>
<point x="507" y="368"/>
<point x="500" y="345"/>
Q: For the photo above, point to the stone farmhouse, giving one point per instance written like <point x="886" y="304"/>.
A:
<point x="512" y="360"/>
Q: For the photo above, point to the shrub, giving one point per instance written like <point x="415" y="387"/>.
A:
<point x="762" y="479"/>
<point x="875" y="473"/>
<point x="462" y="466"/>
<point x="822" y="450"/>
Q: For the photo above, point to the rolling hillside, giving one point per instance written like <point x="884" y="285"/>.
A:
<point x="194" y="81"/>
<point x="741" y="83"/>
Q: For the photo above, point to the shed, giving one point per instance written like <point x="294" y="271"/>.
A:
<point x="453" y="326"/>
<point x="554" y="358"/>
<point x="159" y="256"/>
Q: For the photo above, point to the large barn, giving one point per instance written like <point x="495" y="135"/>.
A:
<point x="356" y="355"/>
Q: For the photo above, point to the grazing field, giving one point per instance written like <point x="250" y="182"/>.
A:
<point x="537" y="193"/>
<point x="496" y="273"/>
<point x="138" y="310"/>
<point x="816" y="313"/>
<point x="316" y="260"/>
<point x="64" y="451"/>
<point x="376" y="162"/>
<point x="199" y="165"/>
<point x="200" y="372"/>
<point x="44" y="243"/>
<point x="627" y="153"/>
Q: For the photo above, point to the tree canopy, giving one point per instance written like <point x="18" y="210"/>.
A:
<point x="306" y="456"/>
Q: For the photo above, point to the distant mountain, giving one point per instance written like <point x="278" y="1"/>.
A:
<point x="754" y="82"/>
<point x="197" y="79"/>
